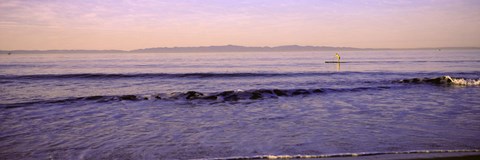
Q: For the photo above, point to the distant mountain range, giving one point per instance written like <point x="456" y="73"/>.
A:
<point x="232" y="48"/>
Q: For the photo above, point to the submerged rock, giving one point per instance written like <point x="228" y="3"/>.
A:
<point x="438" y="80"/>
<point x="264" y="91"/>
<point x="300" y="91"/>
<point x="231" y="98"/>
<point x="94" y="98"/>
<point x="193" y="95"/>
<point x="229" y="95"/>
<point x="210" y="97"/>
<point x="226" y="93"/>
<point x="256" y="95"/>
<point x="416" y="80"/>
<point x="279" y="92"/>
<point x="128" y="97"/>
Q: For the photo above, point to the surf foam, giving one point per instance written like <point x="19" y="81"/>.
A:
<point x="447" y="80"/>
<point x="462" y="81"/>
<point x="361" y="154"/>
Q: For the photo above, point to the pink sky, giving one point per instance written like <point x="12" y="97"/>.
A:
<point x="129" y="24"/>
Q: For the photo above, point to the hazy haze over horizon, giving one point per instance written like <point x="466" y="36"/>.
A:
<point x="128" y="24"/>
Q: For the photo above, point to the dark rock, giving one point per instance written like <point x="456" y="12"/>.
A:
<point x="94" y="98"/>
<point x="300" y="91"/>
<point x="210" y="97"/>
<point x="279" y="92"/>
<point x="61" y="101"/>
<point x="193" y="95"/>
<point x="226" y="93"/>
<point x="158" y="97"/>
<point x="317" y="91"/>
<point x="128" y="97"/>
<point x="175" y="95"/>
<point x="439" y="80"/>
<point x="434" y="80"/>
<point x="416" y="80"/>
<point x="107" y="98"/>
<point x="264" y="91"/>
<point x="231" y="98"/>
<point x="259" y="93"/>
<point x="256" y="95"/>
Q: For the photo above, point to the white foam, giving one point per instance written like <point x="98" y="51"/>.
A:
<point x="360" y="154"/>
<point x="238" y="91"/>
<point x="463" y="82"/>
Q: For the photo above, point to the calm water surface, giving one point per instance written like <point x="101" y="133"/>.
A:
<point x="217" y="105"/>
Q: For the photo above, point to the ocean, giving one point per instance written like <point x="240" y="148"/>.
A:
<point x="238" y="105"/>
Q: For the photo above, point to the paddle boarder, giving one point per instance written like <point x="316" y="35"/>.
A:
<point x="338" y="57"/>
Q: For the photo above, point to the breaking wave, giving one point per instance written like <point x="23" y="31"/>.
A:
<point x="160" y="75"/>
<point x="220" y="75"/>
<point x="361" y="154"/>
<point x="224" y="96"/>
<point x="240" y="95"/>
<point x="445" y="80"/>
<point x="206" y="75"/>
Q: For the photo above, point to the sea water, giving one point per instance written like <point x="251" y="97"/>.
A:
<point x="220" y="105"/>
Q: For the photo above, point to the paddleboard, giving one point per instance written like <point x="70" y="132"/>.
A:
<point x="335" y="62"/>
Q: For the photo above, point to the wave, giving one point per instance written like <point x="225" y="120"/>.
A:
<point x="444" y="80"/>
<point x="223" y="96"/>
<point x="205" y="75"/>
<point x="157" y="75"/>
<point x="361" y="154"/>
<point x="254" y="94"/>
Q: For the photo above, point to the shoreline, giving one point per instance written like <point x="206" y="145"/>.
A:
<point x="407" y="155"/>
<point x="414" y="156"/>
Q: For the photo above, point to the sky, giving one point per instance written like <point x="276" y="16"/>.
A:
<point x="134" y="24"/>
